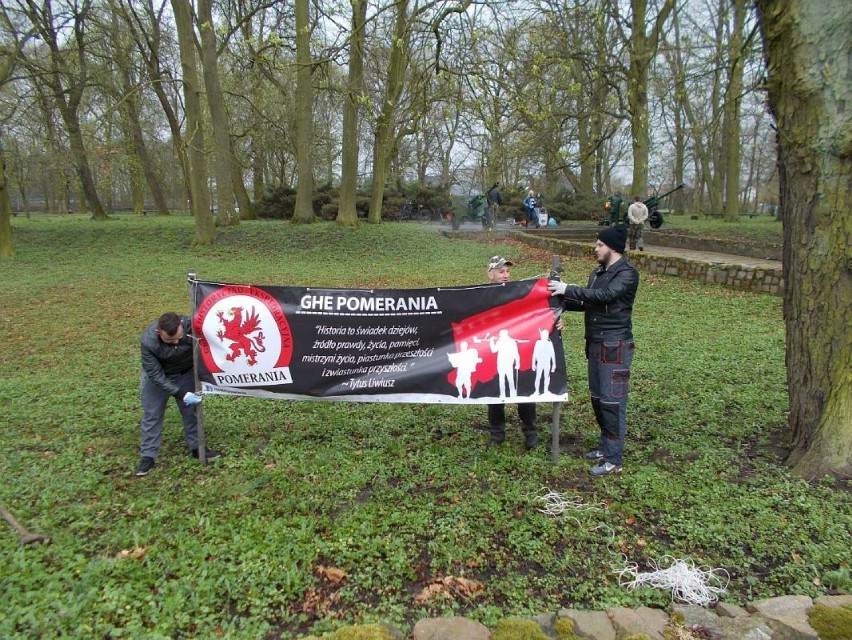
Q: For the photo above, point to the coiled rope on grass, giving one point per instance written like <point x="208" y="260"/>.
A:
<point x="688" y="583"/>
<point x="556" y="504"/>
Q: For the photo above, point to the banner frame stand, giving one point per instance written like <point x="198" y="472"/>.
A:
<point x="555" y="270"/>
<point x="199" y="408"/>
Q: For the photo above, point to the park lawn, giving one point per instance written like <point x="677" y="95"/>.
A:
<point x="396" y="497"/>
<point x="760" y="229"/>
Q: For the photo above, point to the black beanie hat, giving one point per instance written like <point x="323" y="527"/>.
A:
<point x="614" y="237"/>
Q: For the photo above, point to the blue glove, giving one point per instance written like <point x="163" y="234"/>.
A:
<point x="190" y="398"/>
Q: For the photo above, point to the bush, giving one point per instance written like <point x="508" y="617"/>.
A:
<point x="277" y="204"/>
<point x="576" y="206"/>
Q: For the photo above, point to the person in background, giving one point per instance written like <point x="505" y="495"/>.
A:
<point x="614" y="209"/>
<point x="637" y="213"/>
<point x="531" y="208"/>
<point x="167" y="371"/>
<point x="607" y="305"/>
<point x="499" y="272"/>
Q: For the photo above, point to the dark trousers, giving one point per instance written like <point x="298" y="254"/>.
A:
<point x="497" y="419"/>
<point x="154" y="401"/>
<point x="609" y="380"/>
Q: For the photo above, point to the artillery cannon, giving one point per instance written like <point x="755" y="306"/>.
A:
<point x="655" y="216"/>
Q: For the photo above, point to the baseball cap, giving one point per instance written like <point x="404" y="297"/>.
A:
<point x="498" y="261"/>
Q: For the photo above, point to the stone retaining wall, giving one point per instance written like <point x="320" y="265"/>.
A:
<point x="733" y="276"/>
<point x="667" y="238"/>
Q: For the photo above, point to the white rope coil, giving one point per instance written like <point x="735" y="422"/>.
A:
<point x="688" y="583"/>
<point x="556" y="504"/>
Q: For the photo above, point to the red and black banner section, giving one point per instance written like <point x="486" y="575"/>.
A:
<point x="481" y="344"/>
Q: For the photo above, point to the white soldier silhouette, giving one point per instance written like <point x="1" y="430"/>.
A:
<point x="464" y="361"/>
<point x="543" y="361"/>
<point x="508" y="362"/>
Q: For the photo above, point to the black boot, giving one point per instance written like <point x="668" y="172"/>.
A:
<point x="530" y="436"/>
<point x="498" y="434"/>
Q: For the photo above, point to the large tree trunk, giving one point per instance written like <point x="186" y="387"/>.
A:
<point x="347" y="214"/>
<point x="304" y="211"/>
<point x="807" y="47"/>
<point x="205" y="227"/>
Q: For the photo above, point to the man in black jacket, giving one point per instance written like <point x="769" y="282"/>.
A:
<point x="167" y="370"/>
<point x="607" y="303"/>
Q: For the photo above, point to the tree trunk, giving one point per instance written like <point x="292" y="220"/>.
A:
<point x="807" y="49"/>
<point x="304" y="104"/>
<point x="643" y="48"/>
<point x="388" y="113"/>
<point x="733" y="98"/>
<point x="219" y="121"/>
<point x="347" y="214"/>
<point x="6" y="248"/>
<point x="205" y="227"/>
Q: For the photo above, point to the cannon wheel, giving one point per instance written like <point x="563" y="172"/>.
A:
<point x="655" y="219"/>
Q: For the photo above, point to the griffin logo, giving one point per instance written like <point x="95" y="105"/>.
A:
<point x="244" y="338"/>
<point x="238" y="332"/>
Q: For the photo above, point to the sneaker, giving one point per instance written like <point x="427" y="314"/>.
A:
<point x="605" y="468"/>
<point x="144" y="466"/>
<point x="531" y="440"/>
<point x="212" y="454"/>
<point x="594" y="454"/>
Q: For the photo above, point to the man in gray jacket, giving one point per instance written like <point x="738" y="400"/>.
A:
<point x="607" y="303"/>
<point x="167" y="370"/>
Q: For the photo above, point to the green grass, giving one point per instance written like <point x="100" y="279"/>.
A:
<point x="762" y="229"/>
<point x="396" y="496"/>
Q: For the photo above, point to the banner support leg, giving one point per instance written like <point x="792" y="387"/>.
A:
<point x="199" y="408"/>
<point x="554" y="433"/>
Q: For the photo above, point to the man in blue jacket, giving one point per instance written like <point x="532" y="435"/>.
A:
<point x="607" y="303"/>
<point x="167" y="370"/>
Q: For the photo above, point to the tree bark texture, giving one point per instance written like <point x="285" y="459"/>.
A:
<point x="807" y="47"/>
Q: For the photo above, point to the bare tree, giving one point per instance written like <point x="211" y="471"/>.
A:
<point x="65" y="69"/>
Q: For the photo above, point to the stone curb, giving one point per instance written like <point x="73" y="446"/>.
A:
<point x="780" y="618"/>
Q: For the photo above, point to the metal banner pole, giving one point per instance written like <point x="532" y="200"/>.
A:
<point x="199" y="408"/>
<point x="555" y="270"/>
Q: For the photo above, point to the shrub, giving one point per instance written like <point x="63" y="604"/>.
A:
<point x="277" y="204"/>
<point x="576" y="206"/>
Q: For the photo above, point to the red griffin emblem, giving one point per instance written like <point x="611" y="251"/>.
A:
<point x="239" y="332"/>
<point x="242" y="328"/>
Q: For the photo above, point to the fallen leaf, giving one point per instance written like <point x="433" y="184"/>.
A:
<point x="135" y="554"/>
<point x="332" y="574"/>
